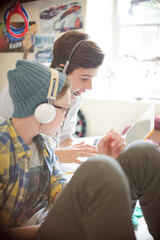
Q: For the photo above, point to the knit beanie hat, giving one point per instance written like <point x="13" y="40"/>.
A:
<point x="28" y="86"/>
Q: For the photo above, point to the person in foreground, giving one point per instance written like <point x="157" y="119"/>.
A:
<point x="36" y="202"/>
<point x="80" y="58"/>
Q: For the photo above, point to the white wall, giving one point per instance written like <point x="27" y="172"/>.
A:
<point x="102" y="114"/>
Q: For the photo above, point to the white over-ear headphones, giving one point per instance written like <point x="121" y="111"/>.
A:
<point x="45" y="112"/>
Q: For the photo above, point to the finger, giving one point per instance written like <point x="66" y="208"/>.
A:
<point x="104" y="141"/>
<point x="84" y="149"/>
<point x="87" y="154"/>
<point x="82" y="145"/>
<point x="122" y="147"/>
<point x="90" y="146"/>
<point x="78" y="144"/>
<point x="119" y="144"/>
<point x="110" y="136"/>
<point x="78" y="161"/>
<point x="84" y="154"/>
<point x="119" y="147"/>
<point x="110" y="131"/>
<point x="117" y="139"/>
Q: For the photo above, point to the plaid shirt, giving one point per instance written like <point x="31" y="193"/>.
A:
<point x="15" y="157"/>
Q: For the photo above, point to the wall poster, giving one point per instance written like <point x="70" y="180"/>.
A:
<point x="44" y="47"/>
<point x="61" y="17"/>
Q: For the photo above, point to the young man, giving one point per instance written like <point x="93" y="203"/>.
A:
<point x="97" y="198"/>
<point x="84" y="61"/>
<point x="29" y="175"/>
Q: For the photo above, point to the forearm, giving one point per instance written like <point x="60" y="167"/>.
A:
<point x="61" y="151"/>
<point x="25" y="233"/>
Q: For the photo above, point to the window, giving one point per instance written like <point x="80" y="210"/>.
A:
<point x="131" y="41"/>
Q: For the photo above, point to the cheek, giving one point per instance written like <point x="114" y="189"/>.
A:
<point x="76" y="83"/>
<point x="58" y="120"/>
<point x="52" y="127"/>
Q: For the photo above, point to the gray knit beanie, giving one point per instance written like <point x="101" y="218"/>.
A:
<point x="28" y="86"/>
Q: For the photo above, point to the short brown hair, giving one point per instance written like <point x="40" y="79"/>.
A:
<point x="87" y="55"/>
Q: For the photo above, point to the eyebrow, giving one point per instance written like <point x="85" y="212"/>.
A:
<point x="86" y="76"/>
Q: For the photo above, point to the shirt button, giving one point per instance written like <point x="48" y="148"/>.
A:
<point x="29" y="152"/>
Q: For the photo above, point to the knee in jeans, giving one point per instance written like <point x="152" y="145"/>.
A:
<point x="143" y="151"/>
<point x="101" y="168"/>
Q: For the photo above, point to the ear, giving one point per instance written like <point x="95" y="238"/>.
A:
<point x="61" y="65"/>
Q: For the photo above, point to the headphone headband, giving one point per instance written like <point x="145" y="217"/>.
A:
<point x="71" y="54"/>
<point x="45" y="112"/>
<point x="54" y="81"/>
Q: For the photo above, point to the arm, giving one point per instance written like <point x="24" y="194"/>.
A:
<point x="111" y="144"/>
<point x="68" y="153"/>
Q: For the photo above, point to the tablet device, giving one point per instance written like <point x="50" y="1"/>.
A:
<point x="143" y="127"/>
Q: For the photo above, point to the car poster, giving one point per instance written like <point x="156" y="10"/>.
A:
<point x="11" y="44"/>
<point x="61" y="17"/>
<point x="44" y="47"/>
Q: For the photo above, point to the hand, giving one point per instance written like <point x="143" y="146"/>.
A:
<point x="71" y="153"/>
<point x="111" y="144"/>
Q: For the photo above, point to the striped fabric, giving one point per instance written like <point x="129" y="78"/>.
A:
<point x="15" y="157"/>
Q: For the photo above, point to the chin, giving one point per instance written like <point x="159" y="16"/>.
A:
<point x="50" y="134"/>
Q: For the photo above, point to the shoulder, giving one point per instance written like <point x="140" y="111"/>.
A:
<point x="6" y="106"/>
<point x="76" y="103"/>
<point x="4" y="135"/>
<point x="4" y="150"/>
<point x="75" y="106"/>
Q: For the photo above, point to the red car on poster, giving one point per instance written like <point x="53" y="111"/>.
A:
<point x="70" y="19"/>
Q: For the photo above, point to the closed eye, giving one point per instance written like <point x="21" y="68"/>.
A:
<point x="85" y="79"/>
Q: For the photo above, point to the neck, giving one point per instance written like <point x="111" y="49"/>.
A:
<point x="27" y="128"/>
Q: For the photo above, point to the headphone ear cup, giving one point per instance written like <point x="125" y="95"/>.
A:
<point x="45" y="113"/>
